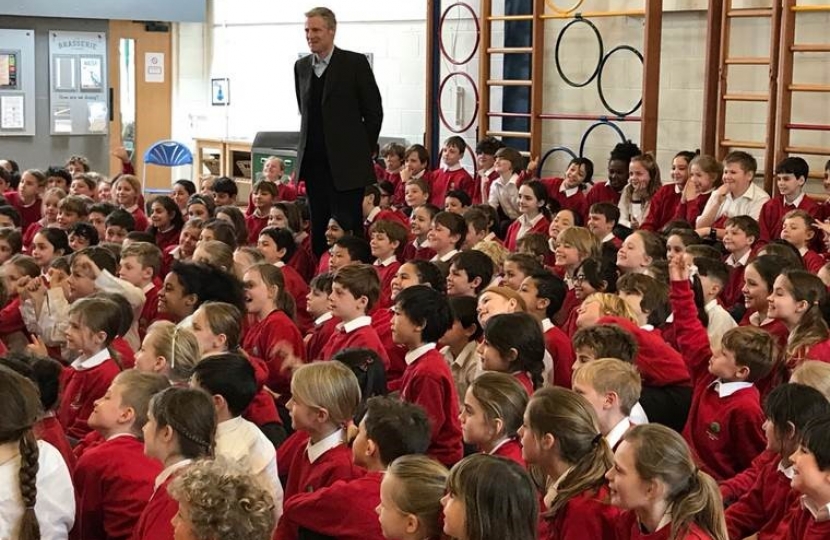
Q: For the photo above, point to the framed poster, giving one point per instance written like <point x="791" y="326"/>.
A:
<point x="79" y="102"/>
<point x="220" y="92"/>
<point x="91" y="74"/>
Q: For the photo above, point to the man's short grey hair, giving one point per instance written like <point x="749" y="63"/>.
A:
<point x="324" y="13"/>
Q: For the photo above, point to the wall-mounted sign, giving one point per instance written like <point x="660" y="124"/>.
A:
<point x="78" y="83"/>
<point x="220" y="92"/>
<point x="154" y="67"/>
<point x="17" y="82"/>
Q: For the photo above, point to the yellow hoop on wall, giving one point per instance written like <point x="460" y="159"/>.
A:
<point x="561" y="11"/>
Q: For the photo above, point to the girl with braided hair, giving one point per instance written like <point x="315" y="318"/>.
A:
<point x="180" y="428"/>
<point x="37" y="500"/>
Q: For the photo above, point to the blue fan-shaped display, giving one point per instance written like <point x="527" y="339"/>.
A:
<point x="168" y="154"/>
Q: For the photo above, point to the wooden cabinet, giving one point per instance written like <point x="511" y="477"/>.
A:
<point x="224" y="157"/>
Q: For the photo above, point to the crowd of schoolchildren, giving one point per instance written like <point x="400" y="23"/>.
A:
<point x="493" y="356"/>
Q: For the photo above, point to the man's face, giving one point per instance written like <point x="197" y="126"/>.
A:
<point x="319" y="36"/>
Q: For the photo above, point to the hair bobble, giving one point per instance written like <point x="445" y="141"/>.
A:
<point x="173" y="347"/>
<point x="597" y="439"/>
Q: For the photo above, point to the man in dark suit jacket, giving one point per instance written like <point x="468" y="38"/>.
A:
<point x="341" y="117"/>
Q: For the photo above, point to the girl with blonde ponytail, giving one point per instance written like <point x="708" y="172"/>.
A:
<point x="37" y="500"/>
<point x="561" y="437"/>
<point x="664" y="494"/>
<point x="274" y="334"/>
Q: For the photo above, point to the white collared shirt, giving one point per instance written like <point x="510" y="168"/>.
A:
<point x="386" y="262"/>
<point x="242" y="441"/>
<point x="789" y="472"/>
<point x="720" y="322"/>
<point x="525" y="224"/>
<point x="465" y="367"/>
<point x="445" y="257"/>
<point x="325" y="317"/>
<point x="726" y="389"/>
<point x="373" y="214"/>
<point x="505" y="194"/>
<point x="569" y="192"/>
<point x="819" y="513"/>
<point x="614" y="436"/>
<point x="354" y="324"/>
<point x="740" y="262"/>
<point x="608" y="237"/>
<point x="315" y="450"/>
<point x="415" y="354"/>
<point x="80" y="363"/>
<point x="638" y="415"/>
<point x="499" y="445"/>
<point x="168" y="472"/>
<point x="748" y="204"/>
<point x="795" y="203"/>
<point x="320" y="63"/>
<point x="450" y="168"/>
<point x="547" y="324"/>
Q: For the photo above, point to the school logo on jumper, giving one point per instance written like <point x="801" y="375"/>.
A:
<point x="713" y="431"/>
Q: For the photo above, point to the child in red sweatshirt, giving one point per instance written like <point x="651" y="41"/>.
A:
<point x="422" y="316"/>
<point x="389" y="429"/>
<point x="324" y="399"/>
<point x="93" y="324"/>
<point x="325" y="323"/>
<point x="114" y="480"/>
<point x="180" y="428"/>
<point x="386" y="237"/>
<point x="811" y="466"/>
<point x="761" y="510"/>
<point x="724" y="424"/>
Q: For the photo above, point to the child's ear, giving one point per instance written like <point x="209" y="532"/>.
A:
<point x="742" y="373"/>
<point x="191" y="299"/>
<point x="395" y="245"/>
<point x="611" y="400"/>
<point x="512" y="354"/>
<point x="100" y="337"/>
<point x="548" y="441"/>
<point x="810" y="233"/>
<point x="412" y="524"/>
<point x="498" y="426"/>
<point x="127" y="415"/>
<point x="751" y="240"/>
<point x="322" y="415"/>
<point x="159" y="364"/>
<point x="371" y="448"/>
<point x="470" y="331"/>
<point x="476" y="283"/>
<point x="790" y="432"/>
<point x="147" y="272"/>
<point x="281" y="253"/>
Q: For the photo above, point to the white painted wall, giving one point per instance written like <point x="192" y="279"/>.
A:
<point x="255" y="43"/>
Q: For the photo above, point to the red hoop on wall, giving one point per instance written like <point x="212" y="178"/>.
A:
<point x="441" y="111"/>
<point x="443" y="49"/>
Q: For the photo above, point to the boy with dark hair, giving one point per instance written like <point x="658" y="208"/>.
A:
<point x="457" y="201"/>
<point x="460" y="342"/>
<point x="58" y="177"/>
<point x="354" y="292"/>
<point x="264" y="195"/>
<point x="451" y="175"/>
<point x="230" y="380"/>
<point x="446" y="235"/>
<point x="82" y="235"/>
<point x="416" y="163"/>
<point x="390" y="429"/>
<point x="422" y="317"/>
<point x="325" y="323"/>
<point x="740" y="234"/>
<point x="118" y="224"/>
<point x="470" y="272"/>
<point x="71" y="210"/>
<point x="738" y="196"/>
<point x="485" y="168"/>
<point x="224" y="191"/>
<point x="790" y="177"/>
<point x="602" y="218"/>
<point x="478" y="223"/>
<point x="98" y="214"/>
<point x="544" y="292"/>
<point x="349" y="250"/>
<point x="26" y="199"/>
<point x="372" y="212"/>
<point x="9" y="217"/>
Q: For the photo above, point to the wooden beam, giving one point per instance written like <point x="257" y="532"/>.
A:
<point x="651" y="74"/>
<point x="714" y="21"/>
<point x="485" y="8"/>
<point x="537" y="75"/>
<point x="785" y="77"/>
<point x="772" y="106"/>
<point x="722" y="77"/>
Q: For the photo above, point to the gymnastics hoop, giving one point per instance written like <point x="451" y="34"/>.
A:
<point x="443" y="49"/>
<point x="558" y="64"/>
<point x="599" y="80"/>
<point x="553" y="150"/>
<point x="588" y="131"/>
<point x="441" y="110"/>
<point x="561" y="11"/>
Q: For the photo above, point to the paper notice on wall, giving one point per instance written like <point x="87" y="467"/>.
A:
<point x="154" y="67"/>
<point x="12" y="112"/>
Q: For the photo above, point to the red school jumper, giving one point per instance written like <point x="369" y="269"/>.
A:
<point x="663" y="207"/>
<point x="444" y="180"/>
<point x="764" y="506"/>
<point x="511" y="238"/>
<point x="562" y="352"/>
<point x="512" y="450"/>
<point x="382" y="323"/>
<point x="113" y="482"/>
<point x="255" y="223"/>
<point x="298" y="289"/>
<point x="362" y="336"/>
<point x="303" y="260"/>
<point x="733" y="489"/>
<point x="263" y="409"/>
<point x="428" y="382"/>
<point x="602" y="192"/>
<point x="801" y="525"/>
<point x="322" y="511"/>
<point x="141" y="221"/>
<point x="413" y="251"/>
<point x="29" y="214"/>
<point x="170" y="237"/>
<point x="386" y="272"/>
<point x="690" y="210"/>
<point x="587" y="516"/>
<point x="319" y="336"/>
<point x="150" y="310"/>
<point x="264" y="338"/>
<point x="80" y="387"/>
<point x="772" y="214"/>
<point x="628" y="528"/>
<point x="724" y="433"/>
<point x="155" y="522"/>
<point x="576" y="202"/>
<point x="48" y="429"/>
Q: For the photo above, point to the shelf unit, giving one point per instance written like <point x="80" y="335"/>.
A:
<point x="224" y="157"/>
